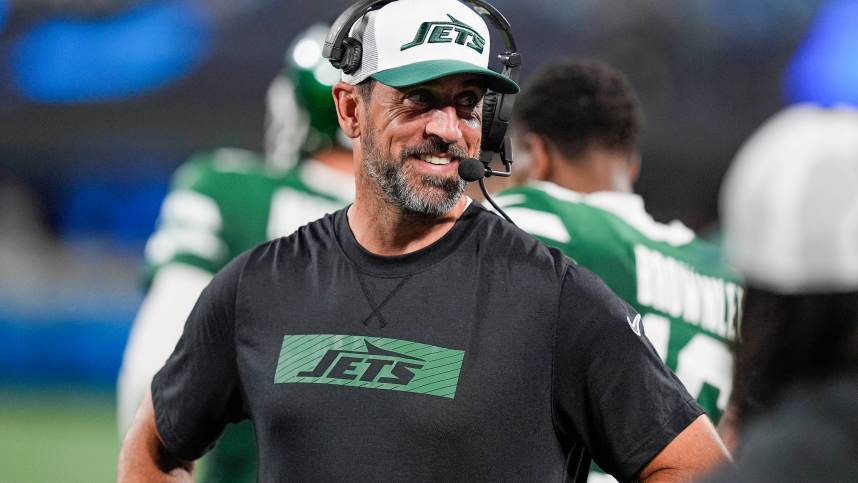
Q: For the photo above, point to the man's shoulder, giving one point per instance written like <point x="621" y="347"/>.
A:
<point x="307" y="240"/>
<point x="515" y="243"/>
<point x="583" y="281"/>
<point x="259" y="266"/>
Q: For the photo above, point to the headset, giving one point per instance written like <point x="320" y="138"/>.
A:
<point x="345" y="53"/>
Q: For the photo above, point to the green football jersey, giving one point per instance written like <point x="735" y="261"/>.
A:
<point x="690" y="302"/>
<point x="221" y="204"/>
<point x="228" y="201"/>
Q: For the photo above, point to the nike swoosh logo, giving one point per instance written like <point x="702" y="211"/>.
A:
<point x="635" y="324"/>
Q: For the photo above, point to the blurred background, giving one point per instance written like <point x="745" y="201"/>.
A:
<point x="100" y="100"/>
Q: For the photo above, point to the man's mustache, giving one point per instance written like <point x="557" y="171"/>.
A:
<point x="434" y="146"/>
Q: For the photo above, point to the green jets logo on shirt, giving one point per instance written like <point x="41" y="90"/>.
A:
<point x="454" y="31"/>
<point x="369" y="362"/>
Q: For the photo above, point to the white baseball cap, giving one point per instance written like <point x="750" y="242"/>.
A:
<point x="789" y="202"/>
<point x="409" y="42"/>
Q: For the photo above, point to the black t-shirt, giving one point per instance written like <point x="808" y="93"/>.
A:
<point x="485" y="356"/>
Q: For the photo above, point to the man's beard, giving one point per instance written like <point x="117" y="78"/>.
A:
<point x="430" y="196"/>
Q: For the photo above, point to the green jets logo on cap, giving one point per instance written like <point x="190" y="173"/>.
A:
<point x="453" y="31"/>
<point x="371" y="362"/>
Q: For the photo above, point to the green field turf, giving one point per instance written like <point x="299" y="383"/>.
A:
<point x="54" y="435"/>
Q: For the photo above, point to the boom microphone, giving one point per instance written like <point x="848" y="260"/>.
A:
<point x="471" y="169"/>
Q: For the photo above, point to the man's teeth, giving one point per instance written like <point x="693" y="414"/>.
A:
<point x="434" y="159"/>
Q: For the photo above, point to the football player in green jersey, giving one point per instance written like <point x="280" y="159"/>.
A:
<point x="576" y="129"/>
<point x="227" y="201"/>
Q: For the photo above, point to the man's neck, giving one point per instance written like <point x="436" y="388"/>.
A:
<point x="596" y="170"/>
<point x="383" y="229"/>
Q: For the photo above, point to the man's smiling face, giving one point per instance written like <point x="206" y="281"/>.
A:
<point x="414" y="138"/>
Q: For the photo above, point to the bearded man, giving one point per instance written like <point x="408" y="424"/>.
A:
<point x="415" y="336"/>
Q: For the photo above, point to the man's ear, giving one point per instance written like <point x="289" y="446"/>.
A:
<point x="540" y="156"/>
<point x="347" y="100"/>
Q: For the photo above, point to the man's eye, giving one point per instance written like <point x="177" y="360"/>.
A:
<point x="467" y="101"/>
<point x="419" y="97"/>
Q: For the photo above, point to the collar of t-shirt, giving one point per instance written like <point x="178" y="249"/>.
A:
<point x="410" y="263"/>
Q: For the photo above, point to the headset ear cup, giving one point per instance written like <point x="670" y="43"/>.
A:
<point x="490" y="102"/>
<point x="353" y="51"/>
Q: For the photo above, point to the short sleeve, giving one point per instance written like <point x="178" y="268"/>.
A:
<point x="611" y="389"/>
<point x="198" y="391"/>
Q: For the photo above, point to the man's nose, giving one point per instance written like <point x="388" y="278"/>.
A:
<point x="444" y="124"/>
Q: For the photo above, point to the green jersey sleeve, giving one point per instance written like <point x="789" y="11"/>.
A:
<point x="200" y="220"/>
<point x="223" y="203"/>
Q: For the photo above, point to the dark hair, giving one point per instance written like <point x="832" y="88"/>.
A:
<point x="578" y="104"/>
<point x="792" y="339"/>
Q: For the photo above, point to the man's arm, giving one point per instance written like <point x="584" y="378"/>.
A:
<point x="144" y="458"/>
<point x="612" y="388"/>
<point x="728" y="426"/>
<point x="694" y="452"/>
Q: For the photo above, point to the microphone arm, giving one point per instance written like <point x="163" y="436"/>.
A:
<point x="471" y="169"/>
<point x="490" y="200"/>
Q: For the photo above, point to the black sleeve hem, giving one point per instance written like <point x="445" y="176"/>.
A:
<point x="165" y="430"/>
<point x="680" y="419"/>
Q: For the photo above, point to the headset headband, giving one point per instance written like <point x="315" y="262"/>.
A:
<point x="341" y="27"/>
<point x="334" y="49"/>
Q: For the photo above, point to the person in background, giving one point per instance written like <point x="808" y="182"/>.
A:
<point x="576" y="136"/>
<point x="789" y="209"/>
<point x="225" y="202"/>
